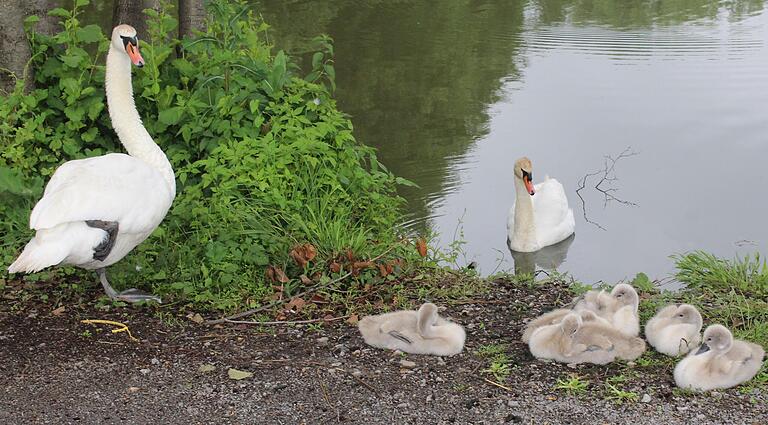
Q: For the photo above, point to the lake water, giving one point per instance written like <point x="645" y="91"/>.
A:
<point x="451" y="93"/>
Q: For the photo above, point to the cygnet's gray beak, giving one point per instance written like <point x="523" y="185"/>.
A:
<point x="703" y="349"/>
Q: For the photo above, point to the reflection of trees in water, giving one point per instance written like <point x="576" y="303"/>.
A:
<point x="417" y="77"/>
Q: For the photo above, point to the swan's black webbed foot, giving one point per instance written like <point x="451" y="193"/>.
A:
<point x="102" y="250"/>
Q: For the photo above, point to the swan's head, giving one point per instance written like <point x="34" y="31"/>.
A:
<point x="716" y="338"/>
<point x="124" y="40"/>
<point x="625" y="294"/>
<point x="687" y="313"/>
<point x="524" y="172"/>
<point x="570" y="324"/>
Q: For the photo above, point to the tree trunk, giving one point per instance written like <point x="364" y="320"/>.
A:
<point x="129" y="12"/>
<point x="48" y="25"/>
<point x="14" y="47"/>
<point x="191" y="17"/>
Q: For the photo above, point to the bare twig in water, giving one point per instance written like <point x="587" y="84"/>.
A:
<point x="607" y="176"/>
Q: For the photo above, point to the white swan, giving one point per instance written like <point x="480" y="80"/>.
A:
<point x="540" y="220"/>
<point x="675" y="329"/>
<point x="720" y="362"/>
<point x="620" y="307"/>
<point x="422" y="332"/>
<point x="96" y="210"/>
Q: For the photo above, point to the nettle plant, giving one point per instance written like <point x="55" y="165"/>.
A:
<point x="263" y="158"/>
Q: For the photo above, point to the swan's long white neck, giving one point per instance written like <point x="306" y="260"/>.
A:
<point x="125" y="118"/>
<point x="525" y="226"/>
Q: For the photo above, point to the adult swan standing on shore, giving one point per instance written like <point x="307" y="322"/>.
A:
<point x="540" y="220"/>
<point x="96" y="210"/>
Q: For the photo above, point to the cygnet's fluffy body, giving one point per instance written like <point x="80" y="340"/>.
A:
<point x="619" y="307"/>
<point x="675" y="329"/>
<point x="556" y="316"/>
<point x="720" y="362"/>
<point x="415" y="332"/>
<point x="574" y="340"/>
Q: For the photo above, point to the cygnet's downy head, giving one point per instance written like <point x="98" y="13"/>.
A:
<point x="124" y="39"/>
<point x="524" y="172"/>
<point x="625" y="294"/>
<point x="716" y="338"/>
<point x="688" y="314"/>
<point x="570" y="324"/>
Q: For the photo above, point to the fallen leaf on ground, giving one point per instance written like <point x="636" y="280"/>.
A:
<point x="335" y="267"/>
<point x="353" y="319"/>
<point x="238" y="375"/>
<point x="133" y="389"/>
<point x="296" y="304"/>
<point x="207" y="368"/>
<point x="197" y="318"/>
<point x="58" y="311"/>
<point x="305" y="280"/>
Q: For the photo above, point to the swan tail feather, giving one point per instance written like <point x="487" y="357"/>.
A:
<point x="73" y="242"/>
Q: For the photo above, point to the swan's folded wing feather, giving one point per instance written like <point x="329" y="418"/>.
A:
<point x="550" y="205"/>
<point x="114" y="187"/>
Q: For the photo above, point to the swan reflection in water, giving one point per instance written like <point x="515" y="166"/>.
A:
<point x="547" y="258"/>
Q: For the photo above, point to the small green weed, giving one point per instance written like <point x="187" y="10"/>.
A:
<point x="618" y="395"/>
<point x="573" y="384"/>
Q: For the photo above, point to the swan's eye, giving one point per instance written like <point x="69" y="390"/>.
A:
<point x="527" y="175"/>
<point x="132" y="40"/>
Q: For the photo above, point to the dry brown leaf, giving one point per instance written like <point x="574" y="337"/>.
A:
<point x="421" y="246"/>
<point x="305" y="280"/>
<point x="298" y="255"/>
<point x="280" y="275"/>
<point x="353" y="319"/>
<point x="335" y="267"/>
<point x="350" y="256"/>
<point x="295" y="304"/>
<point x="328" y="317"/>
<point x="310" y="252"/>
<point x="197" y="318"/>
<point x="58" y="311"/>
<point x="318" y="299"/>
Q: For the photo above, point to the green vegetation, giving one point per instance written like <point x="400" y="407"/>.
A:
<point x="573" y="384"/>
<point x="500" y="365"/>
<point x="618" y="395"/>
<point x="274" y="192"/>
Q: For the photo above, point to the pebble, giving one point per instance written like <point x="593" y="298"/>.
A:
<point x="700" y="417"/>
<point x="402" y="406"/>
<point x="337" y="364"/>
<point x="513" y="403"/>
<point x="357" y="373"/>
<point x="322" y="341"/>
<point x="682" y="408"/>
<point x="646" y="398"/>
<point x="144" y="371"/>
<point x="407" y="364"/>
<point x="155" y="361"/>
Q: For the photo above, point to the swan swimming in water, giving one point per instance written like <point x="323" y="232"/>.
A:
<point x="540" y="216"/>
<point x="96" y="210"/>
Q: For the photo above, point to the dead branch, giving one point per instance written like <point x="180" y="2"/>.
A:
<point x="604" y="185"/>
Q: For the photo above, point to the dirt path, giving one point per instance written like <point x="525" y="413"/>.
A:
<point x="53" y="369"/>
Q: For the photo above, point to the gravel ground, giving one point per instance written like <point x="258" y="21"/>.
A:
<point x="54" y="369"/>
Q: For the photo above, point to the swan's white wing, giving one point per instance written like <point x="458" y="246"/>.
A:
<point x="554" y="220"/>
<point x="113" y="187"/>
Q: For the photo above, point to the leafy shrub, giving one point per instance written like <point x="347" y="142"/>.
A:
<point x="264" y="159"/>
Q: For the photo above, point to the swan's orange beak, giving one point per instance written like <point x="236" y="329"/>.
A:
<point x="133" y="53"/>
<point x="528" y="184"/>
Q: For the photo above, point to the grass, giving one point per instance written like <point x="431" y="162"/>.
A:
<point x="618" y="395"/>
<point x="705" y="272"/>
<point x="573" y="384"/>
<point x="500" y="364"/>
